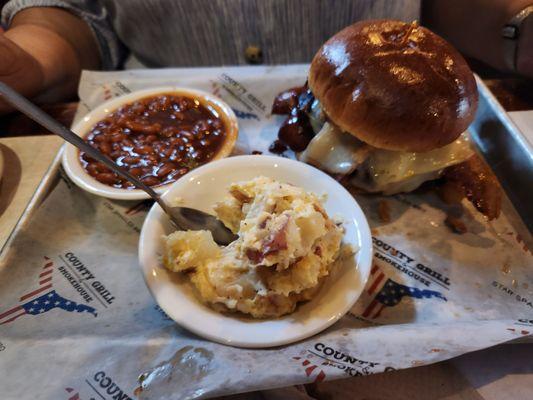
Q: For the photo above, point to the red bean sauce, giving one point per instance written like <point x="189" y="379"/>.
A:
<point x="158" y="139"/>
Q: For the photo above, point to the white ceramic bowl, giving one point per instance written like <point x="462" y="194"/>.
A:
<point x="80" y="177"/>
<point x="202" y="188"/>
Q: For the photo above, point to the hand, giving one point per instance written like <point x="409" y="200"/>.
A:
<point x="18" y="69"/>
<point x="43" y="52"/>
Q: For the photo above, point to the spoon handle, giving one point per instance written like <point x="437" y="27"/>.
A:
<point x="35" y="113"/>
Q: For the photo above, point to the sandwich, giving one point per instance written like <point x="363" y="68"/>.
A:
<point x="385" y="108"/>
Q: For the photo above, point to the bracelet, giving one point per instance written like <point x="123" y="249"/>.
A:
<point x="511" y="33"/>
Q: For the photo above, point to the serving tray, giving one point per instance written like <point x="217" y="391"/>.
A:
<point x="433" y="294"/>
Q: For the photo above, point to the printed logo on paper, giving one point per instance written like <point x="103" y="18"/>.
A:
<point x="115" y="89"/>
<point x="249" y="105"/>
<point x="128" y="216"/>
<point x="84" y="281"/>
<point x="43" y="298"/>
<point x="323" y="355"/>
<point x="100" y="386"/>
<point x="408" y="266"/>
<point x="388" y="293"/>
<point x="514" y="293"/>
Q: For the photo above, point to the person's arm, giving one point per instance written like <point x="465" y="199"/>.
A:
<point x="49" y="42"/>
<point x="43" y="52"/>
<point x="474" y="27"/>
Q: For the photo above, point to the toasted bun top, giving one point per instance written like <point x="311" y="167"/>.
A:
<point x="394" y="85"/>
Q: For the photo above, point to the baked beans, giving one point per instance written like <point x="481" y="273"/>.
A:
<point x="158" y="139"/>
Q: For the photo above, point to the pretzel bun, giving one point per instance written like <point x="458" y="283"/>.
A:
<point x="394" y="85"/>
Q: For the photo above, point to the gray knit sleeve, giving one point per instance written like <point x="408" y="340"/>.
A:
<point x="112" y="51"/>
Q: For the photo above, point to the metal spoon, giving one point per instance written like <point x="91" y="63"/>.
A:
<point x="182" y="217"/>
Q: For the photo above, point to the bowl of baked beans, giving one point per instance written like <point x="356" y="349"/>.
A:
<point x="158" y="135"/>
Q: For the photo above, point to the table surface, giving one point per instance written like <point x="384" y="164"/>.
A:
<point x="26" y="160"/>
<point x="502" y="372"/>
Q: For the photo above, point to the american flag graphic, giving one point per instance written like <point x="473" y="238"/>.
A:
<point x="309" y="368"/>
<point x="43" y="299"/>
<point x="390" y="293"/>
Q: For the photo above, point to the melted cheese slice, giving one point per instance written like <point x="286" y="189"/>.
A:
<point x="334" y="151"/>
<point x="380" y="170"/>
<point x="398" y="171"/>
